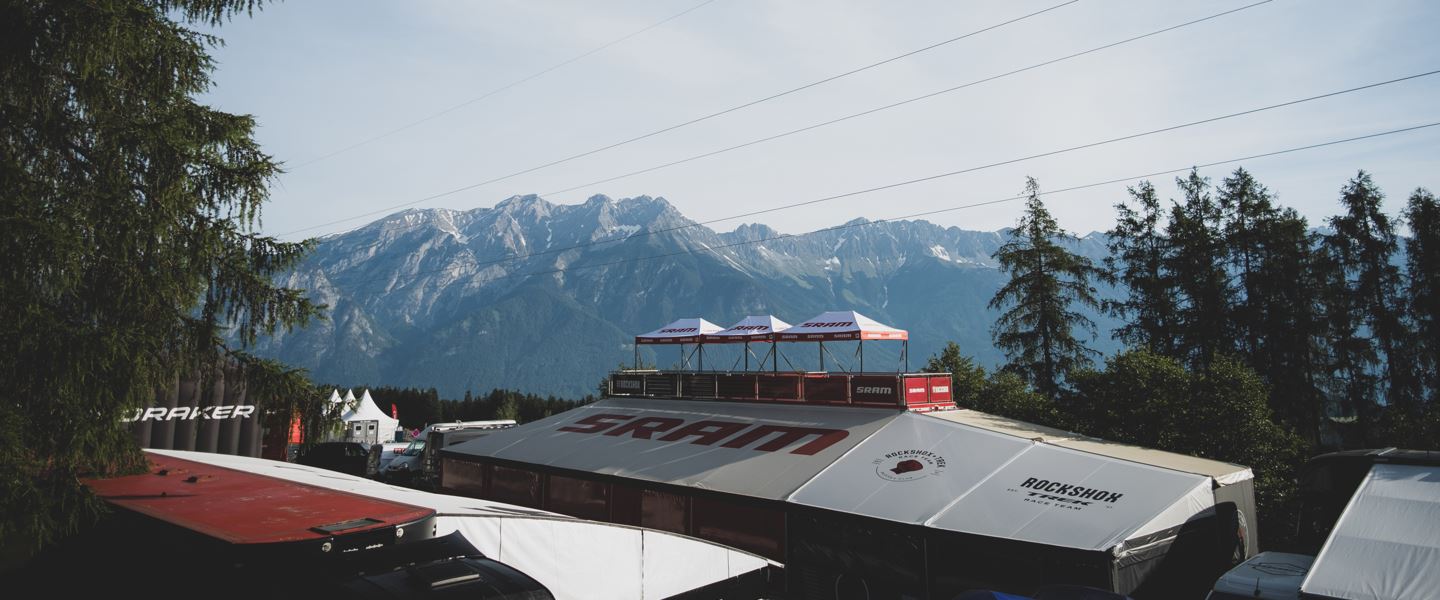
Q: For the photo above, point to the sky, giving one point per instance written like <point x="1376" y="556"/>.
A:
<point x="324" y="78"/>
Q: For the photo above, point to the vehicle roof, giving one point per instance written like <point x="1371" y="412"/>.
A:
<point x="1272" y="574"/>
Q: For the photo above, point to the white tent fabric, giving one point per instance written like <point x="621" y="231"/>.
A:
<point x="841" y="325"/>
<point x="761" y="451"/>
<point x="679" y="331"/>
<point x="922" y="469"/>
<point x="754" y="328"/>
<point x="574" y="559"/>
<point x="365" y="409"/>
<point x="1386" y="544"/>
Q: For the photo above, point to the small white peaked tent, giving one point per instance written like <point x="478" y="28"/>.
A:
<point x="1386" y="545"/>
<point x="366" y="422"/>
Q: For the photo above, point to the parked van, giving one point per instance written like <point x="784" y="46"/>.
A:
<point x="417" y="463"/>
<point x="1267" y="576"/>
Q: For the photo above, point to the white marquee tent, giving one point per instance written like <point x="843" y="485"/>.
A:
<point x="1386" y="545"/>
<point x="367" y="421"/>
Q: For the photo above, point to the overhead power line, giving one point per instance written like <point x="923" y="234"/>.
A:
<point x="971" y="169"/>
<point x="502" y="88"/>
<point x="689" y="122"/>
<point x="910" y="100"/>
<point x="714" y="249"/>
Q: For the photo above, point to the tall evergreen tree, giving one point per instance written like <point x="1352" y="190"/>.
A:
<point x="1139" y="252"/>
<point x="1422" y="266"/>
<point x="1036" y="331"/>
<point x="127" y="223"/>
<point x="1363" y="242"/>
<point x="1197" y="266"/>
<point x="1274" y="311"/>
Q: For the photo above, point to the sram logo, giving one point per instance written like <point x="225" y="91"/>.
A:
<point x="680" y="330"/>
<point x="757" y="436"/>
<point x="828" y="324"/>
<point x="872" y="389"/>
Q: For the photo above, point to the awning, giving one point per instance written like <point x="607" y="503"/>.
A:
<point x="1386" y="544"/>
<point x="754" y="328"/>
<point x="681" y="331"/>
<point x="841" y="325"/>
<point x="755" y="450"/>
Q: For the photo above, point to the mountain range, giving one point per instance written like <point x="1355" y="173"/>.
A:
<point x="546" y="298"/>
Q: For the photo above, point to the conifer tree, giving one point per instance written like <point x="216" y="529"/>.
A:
<point x="1036" y="329"/>
<point x="128" y="229"/>
<point x="1139" y="253"/>
<point x="1363" y="243"/>
<point x="1197" y="266"/>
<point x="1422" y="266"/>
<point x="1274" y="312"/>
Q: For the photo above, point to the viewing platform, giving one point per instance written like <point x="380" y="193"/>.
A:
<point x="918" y="392"/>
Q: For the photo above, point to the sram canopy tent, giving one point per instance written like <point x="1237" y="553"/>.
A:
<point x="679" y="332"/>
<point x="754" y="328"/>
<point x="1386" y="545"/>
<point x="846" y="325"/>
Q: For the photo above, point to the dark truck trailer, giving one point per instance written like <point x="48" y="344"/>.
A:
<point x="885" y="500"/>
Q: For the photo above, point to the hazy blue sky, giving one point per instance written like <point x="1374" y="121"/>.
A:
<point x="322" y="75"/>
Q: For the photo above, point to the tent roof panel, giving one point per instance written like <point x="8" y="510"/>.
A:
<point x="1223" y="472"/>
<point x="1387" y="542"/>
<point x="910" y="470"/>
<point x="679" y="331"/>
<point x="753" y="328"/>
<point x="763" y="451"/>
<point x="1062" y="497"/>
<point x="841" y="325"/>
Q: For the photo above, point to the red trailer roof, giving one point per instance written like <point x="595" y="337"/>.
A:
<point x="245" y="508"/>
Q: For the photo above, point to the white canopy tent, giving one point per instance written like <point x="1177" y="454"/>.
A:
<point x="573" y="558"/>
<point x="1386" y="545"/>
<point x="753" y="328"/>
<point x="679" y="332"/>
<point x="365" y="418"/>
<point x="950" y="481"/>
<point x="845" y="325"/>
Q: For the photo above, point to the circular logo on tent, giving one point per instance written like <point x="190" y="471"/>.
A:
<point x="909" y="465"/>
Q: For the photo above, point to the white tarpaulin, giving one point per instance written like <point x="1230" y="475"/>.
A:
<point x="754" y="328"/>
<point x="573" y="558"/>
<point x="1052" y="495"/>
<point x="763" y="451"/>
<point x="841" y="325"/>
<point x="922" y="469"/>
<point x="910" y="470"/>
<point x="680" y="331"/>
<point x="1386" y="545"/>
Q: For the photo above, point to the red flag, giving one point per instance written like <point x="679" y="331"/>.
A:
<point x="394" y="412"/>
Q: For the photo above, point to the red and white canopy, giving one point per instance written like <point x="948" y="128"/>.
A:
<point x="754" y="328"/>
<point x="681" y="331"/>
<point x="841" y="325"/>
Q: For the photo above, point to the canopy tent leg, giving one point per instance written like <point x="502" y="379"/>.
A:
<point x="905" y="354"/>
<point x="860" y="351"/>
<point x="747" y="357"/>
<point x="700" y="349"/>
<point x="684" y="358"/>
<point x="636" y="364"/>
<point x="838" y="362"/>
<point x="775" y="357"/>
<point x="822" y="356"/>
